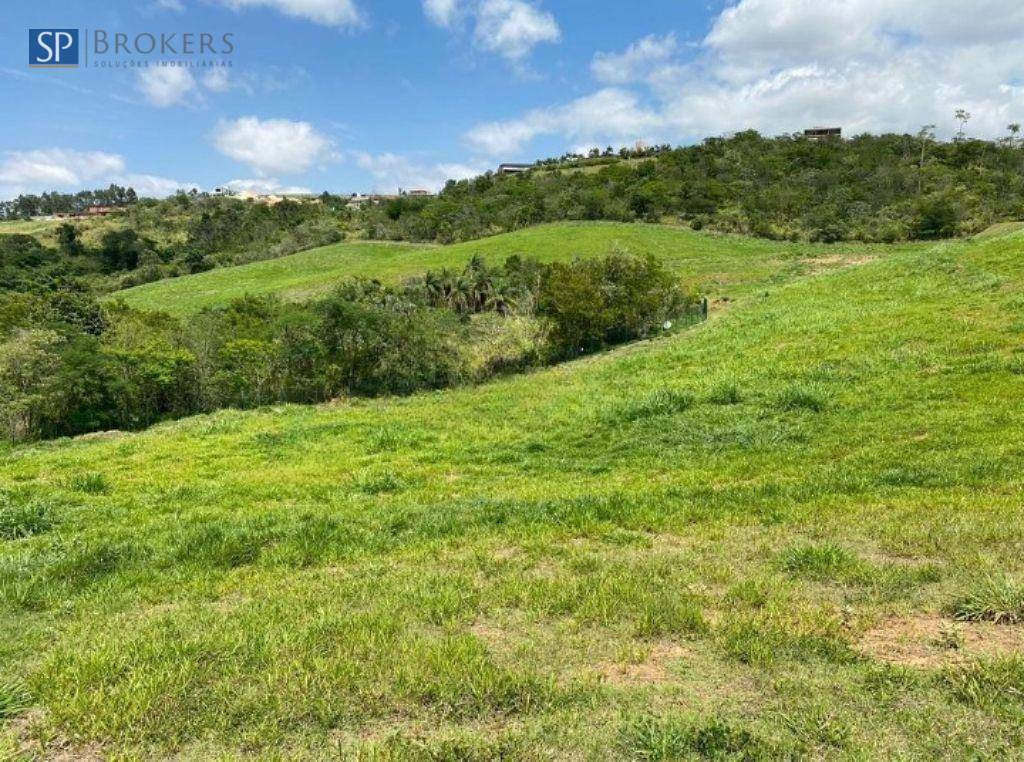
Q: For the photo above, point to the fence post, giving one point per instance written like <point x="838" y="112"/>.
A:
<point x="704" y="308"/>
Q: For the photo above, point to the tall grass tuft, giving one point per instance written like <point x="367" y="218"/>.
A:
<point x="14" y="698"/>
<point x="993" y="598"/>
<point x="672" y="737"/>
<point x="19" y="519"/>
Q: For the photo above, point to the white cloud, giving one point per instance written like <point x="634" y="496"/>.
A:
<point x="608" y="114"/>
<point x="217" y="80"/>
<point x="168" y="5"/>
<point x="64" y="169"/>
<point x="443" y="13"/>
<point x="154" y="186"/>
<point x="782" y="65"/>
<point x="266" y="185"/>
<point x="344" y="14"/>
<point x="508" y="28"/>
<point x="635" y="62"/>
<point x="165" y="86"/>
<point x="393" y="171"/>
<point x="272" y="145"/>
<point x="512" y="28"/>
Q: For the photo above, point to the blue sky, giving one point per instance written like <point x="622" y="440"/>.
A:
<point x="351" y="95"/>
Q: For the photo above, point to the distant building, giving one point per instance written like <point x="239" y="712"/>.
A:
<point x="97" y="210"/>
<point x="419" y="192"/>
<point x="273" y="198"/>
<point x="513" y="169"/>
<point x="823" y="133"/>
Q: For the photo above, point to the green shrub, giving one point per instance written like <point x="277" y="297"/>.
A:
<point x="595" y="303"/>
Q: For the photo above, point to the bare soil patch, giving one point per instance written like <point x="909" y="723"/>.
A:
<point x="930" y="641"/>
<point x="654" y="668"/>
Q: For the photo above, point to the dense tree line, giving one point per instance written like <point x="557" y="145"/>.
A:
<point x="69" y="365"/>
<point x="871" y="188"/>
<point x="31" y="205"/>
<point x="151" y="239"/>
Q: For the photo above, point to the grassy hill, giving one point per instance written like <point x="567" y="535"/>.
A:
<point x="719" y="264"/>
<point x="756" y="539"/>
<point x="90" y="229"/>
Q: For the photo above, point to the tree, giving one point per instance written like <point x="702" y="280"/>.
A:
<point x="68" y="241"/>
<point x="937" y="217"/>
<point x="121" y="249"/>
<point x="963" y="117"/>
<point x="1014" y="130"/>
<point x="27" y="364"/>
<point x="926" y="135"/>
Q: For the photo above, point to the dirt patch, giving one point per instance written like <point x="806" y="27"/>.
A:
<point x="55" y="747"/>
<point x="930" y="641"/>
<point x="832" y="261"/>
<point x="653" y="668"/>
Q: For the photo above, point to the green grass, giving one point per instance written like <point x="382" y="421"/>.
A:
<point x="90" y="229"/>
<point x="670" y="550"/>
<point x="718" y="265"/>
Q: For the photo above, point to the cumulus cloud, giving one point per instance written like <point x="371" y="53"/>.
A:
<point x="443" y="13"/>
<point x="781" y="65"/>
<point x="164" y="86"/>
<point x="512" y="28"/>
<point x="64" y="169"/>
<point x="608" y="114"/>
<point x="393" y="171"/>
<point x="508" y="28"/>
<point x="344" y="14"/>
<point x="271" y="146"/>
<point x="635" y="62"/>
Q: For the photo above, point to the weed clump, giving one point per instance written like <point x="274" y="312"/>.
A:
<point x="377" y="482"/>
<point x="89" y="483"/>
<point x="993" y="598"/>
<point x="672" y="737"/>
<point x="725" y="393"/>
<point x="988" y="683"/>
<point x="14" y="699"/>
<point x="818" y="561"/>
<point x="797" y="398"/>
<point x="661" y="402"/>
<point x="20" y="518"/>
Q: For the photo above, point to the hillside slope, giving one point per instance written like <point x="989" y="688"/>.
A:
<point x="749" y="539"/>
<point x="715" y="262"/>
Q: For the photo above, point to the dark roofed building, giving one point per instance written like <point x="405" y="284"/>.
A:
<point x="513" y="169"/>
<point x="823" y="133"/>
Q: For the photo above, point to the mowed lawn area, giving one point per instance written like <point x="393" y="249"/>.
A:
<point x="716" y="264"/>
<point x="794" y="531"/>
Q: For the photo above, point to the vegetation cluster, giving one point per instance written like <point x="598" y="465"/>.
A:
<point x="882" y="189"/>
<point x="70" y="365"/>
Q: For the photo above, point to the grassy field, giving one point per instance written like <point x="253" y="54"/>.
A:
<point x="90" y="229"/>
<point x="793" y="531"/>
<point x="719" y="265"/>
